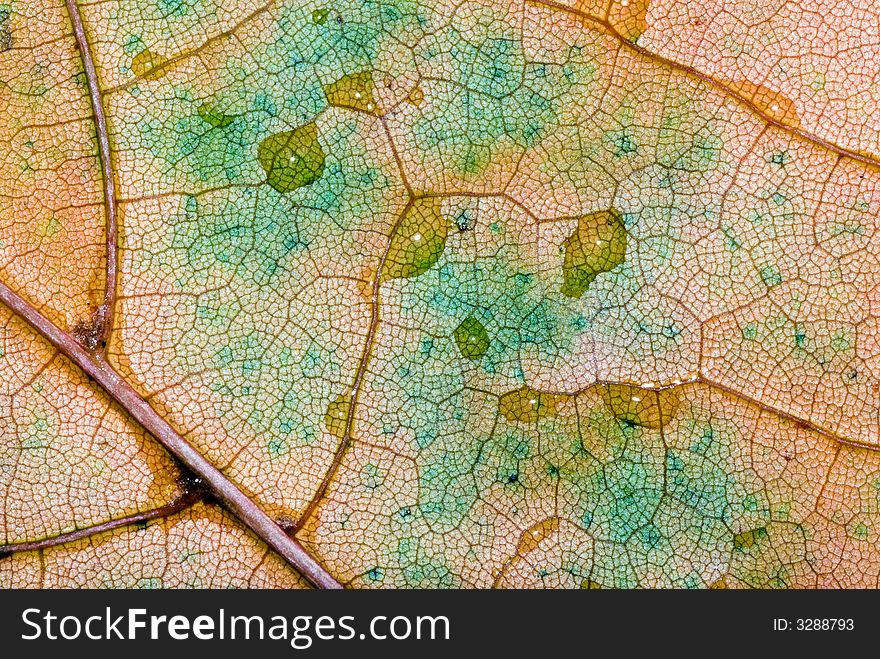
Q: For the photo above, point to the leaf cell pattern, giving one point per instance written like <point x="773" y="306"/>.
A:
<point x="439" y="293"/>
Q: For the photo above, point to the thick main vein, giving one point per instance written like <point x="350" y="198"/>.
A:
<point x="234" y="499"/>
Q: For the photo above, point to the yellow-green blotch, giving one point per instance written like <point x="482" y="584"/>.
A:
<point x="597" y="245"/>
<point x="418" y="240"/>
<point x="292" y="158"/>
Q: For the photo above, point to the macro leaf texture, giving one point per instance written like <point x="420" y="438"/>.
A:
<point x="439" y="293"/>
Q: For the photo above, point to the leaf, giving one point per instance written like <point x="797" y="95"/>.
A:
<point x="201" y="547"/>
<point x="69" y="457"/>
<point x="499" y="294"/>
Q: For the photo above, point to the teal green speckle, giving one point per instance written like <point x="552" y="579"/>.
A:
<point x="177" y="8"/>
<point x="277" y="447"/>
<point x="149" y="583"/>
<point x="771" y="276"/>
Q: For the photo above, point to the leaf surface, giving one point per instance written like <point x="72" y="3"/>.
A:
<point x="477" y="294"/>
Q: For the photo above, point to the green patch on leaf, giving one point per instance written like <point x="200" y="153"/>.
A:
<point x="597" y="245"/>
<point x="213" y="117"/>
<point x="745" y="541"/>
<point x="353" y="91"/>
<point x="417" y="241"/>
<point x="292" y="158"/>
<point x="319" y="16"/>
<point x="641" y="407"/>
<point x="526" y="405"/>
<point x="472" y="339"/>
